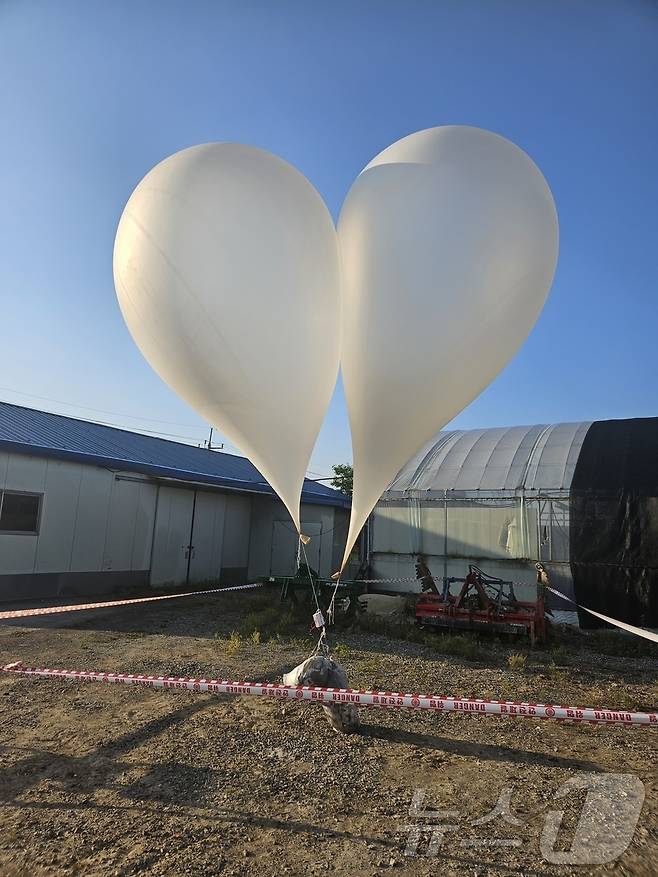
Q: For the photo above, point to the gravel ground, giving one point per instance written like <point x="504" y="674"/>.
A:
<point x="107" y="780"/>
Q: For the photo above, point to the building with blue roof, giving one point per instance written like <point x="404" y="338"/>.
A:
<point x="88" y="508"/>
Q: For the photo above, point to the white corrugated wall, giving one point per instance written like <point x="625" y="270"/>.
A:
<point x="89" y="520"/>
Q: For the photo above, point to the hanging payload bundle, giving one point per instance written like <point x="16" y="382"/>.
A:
<point x="324" y="672"/>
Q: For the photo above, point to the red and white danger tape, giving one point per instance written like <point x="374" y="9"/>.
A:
<point x="106" y="604"/>
<point x="622" y="625"/>
<point x="358" y="697"/>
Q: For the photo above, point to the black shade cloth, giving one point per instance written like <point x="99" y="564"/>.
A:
<point x="613" y="535"/>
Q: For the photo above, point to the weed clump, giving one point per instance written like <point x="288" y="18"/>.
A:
<point x="463" y="646"/>
<point x="268" y="622"/>
<point x="341" y="652"/>
<point x="458" y="645"/>
<point x="234" y="643"/>
<point x="517" y="661"/>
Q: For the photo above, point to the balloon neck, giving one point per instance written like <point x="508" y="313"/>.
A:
<point x="304" y="539"/>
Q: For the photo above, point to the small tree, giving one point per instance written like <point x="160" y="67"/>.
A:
<point x="343" y="477"/>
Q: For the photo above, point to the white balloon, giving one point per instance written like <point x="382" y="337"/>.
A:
<point x="227" y="273"/>
<point x="448" y="244"/>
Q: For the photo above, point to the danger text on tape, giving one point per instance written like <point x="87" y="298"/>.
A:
<point x="381" y="699"/>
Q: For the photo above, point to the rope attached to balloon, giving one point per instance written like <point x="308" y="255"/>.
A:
<point x="322" y="645"/>
<point x="332" y="602"/>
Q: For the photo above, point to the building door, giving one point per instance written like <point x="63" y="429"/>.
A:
<point x="207" y="537"/>
<point x="285" y="541"/>
<point x="171" y="538"/>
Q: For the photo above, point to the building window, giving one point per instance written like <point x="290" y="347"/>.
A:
<point x="19" y="512"/>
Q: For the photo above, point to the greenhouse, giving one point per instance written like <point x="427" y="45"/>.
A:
<point x="582" y="498"/>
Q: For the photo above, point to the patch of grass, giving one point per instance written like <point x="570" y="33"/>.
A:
<point x="373" y="664"/>
<point x="254" y="637"/>
<point x="561" y="651"/>
<point x="396" y="628"/>
<point x="340" y="652"/>
<point x="465" y="646"/>
<point x="458" y="645"/>
<point x="234" y="643"/>
<point x="517" y="661"/>
<point x="269" y="621"/>
<point x="624" y="700"/>
<point x="559" y="674"/>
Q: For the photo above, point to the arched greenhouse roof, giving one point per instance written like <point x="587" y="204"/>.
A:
<point x="512" y="458"/>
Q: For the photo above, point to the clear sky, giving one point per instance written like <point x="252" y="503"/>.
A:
<point x="93" y="94"/>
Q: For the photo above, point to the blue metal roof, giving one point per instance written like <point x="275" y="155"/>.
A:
<point x="28" y="431"/>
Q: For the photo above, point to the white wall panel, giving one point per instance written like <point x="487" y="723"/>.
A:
<point x="380" y="528"/>
<point x="237" y="523"/>
<point x="58" y="516"/>
<point x="391" y="529"/>
<point x="17" y="553"/>
<point x="4" y="462"/>
<point x="121" y="525"/>
<point x="26" y="473"/>
<point x="265" y="512"/>
<point x="433" y="522"/>
<point x="208" y="535"/>
<point x="285" y="542"/>
<point x="144" y="520"/>
<point x="91" y="524"/>
<point x="324" y="516"/>
<point x="397" y="566"/>
<point x="19" y="472"/>
<point x="478" y="531"/>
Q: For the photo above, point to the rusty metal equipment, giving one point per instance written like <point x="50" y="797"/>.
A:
<point x="484" y="603"/>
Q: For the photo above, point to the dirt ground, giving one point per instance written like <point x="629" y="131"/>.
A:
<point x="112" y="780"/>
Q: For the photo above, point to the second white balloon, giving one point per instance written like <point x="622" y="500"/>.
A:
<point x="448" y="244"/>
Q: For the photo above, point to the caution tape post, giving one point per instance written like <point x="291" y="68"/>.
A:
<point x="358" y="697"/>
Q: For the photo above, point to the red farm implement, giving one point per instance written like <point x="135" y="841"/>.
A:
<point x="484" y="603"/>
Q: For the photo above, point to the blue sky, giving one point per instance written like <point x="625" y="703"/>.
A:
<point x="93" y="94"/>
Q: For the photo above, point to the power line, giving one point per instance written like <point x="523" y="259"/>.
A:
<point x="193" y="441"/>
<point x="141" y="429"/>
<point x="98" y="410"/>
